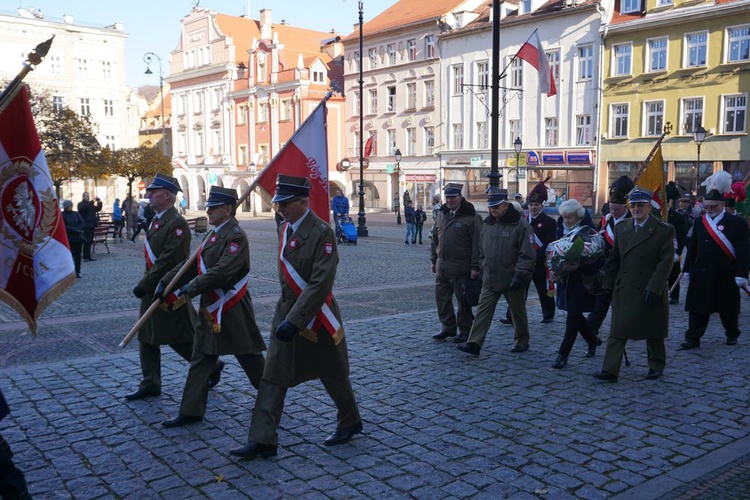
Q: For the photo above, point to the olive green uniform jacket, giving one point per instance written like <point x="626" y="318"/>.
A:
<point x="312" y="252"/>
<point x="455" y="241"/>
<point x="226" y="256"/>
<point x="169" y="238"/>
<point x="638" y="262"/>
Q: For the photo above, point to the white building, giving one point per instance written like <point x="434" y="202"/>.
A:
<point x="557" y="133"/>
<point x="402" y="92"/>
<point x="84" y="70"/>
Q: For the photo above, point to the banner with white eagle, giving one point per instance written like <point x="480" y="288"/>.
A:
<point x="36" y="265"/>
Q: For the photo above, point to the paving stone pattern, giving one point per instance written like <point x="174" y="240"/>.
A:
<point x="438" y="423"/>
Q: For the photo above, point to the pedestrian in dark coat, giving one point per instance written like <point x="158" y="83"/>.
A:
<point x="227" y="321"/>
<point x="636" y="274"/>
<point x="308" y="340"/>
<point x="680" y="223"/>
<point x="74" y="228"/>
<point x="571" y="296"/>
<point x="717" y="266"/>
<point x="87" y="211"/>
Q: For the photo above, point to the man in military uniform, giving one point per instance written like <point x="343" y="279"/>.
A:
<point x="508" y="258"/>
<point x="636" y="274"/>
<point x="308" y="340"/>
<point x="454" y="252"/>
<point x="717" y="266"/>
<point x="167" y="244"/>
<point x="618" y="212"/>
<point x="227" y="320"/>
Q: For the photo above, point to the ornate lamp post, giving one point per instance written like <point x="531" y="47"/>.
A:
<point x="517" y="145"/>
<point x="397" y="155"/>
<point x="361" y="219"/>
<point x="699" y="135"/>
<point x="148" y="58"/>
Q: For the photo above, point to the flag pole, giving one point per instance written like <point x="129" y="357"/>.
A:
<point x="190" y="260"/>
<point x="502" y="75"/>
<point x="34" y="58"/>
<point x="642" y="168"/>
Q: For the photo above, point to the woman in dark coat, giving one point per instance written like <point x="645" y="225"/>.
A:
<point x="571" y="295"/>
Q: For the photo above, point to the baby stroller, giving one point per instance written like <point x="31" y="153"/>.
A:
<point x="347" y="230"/>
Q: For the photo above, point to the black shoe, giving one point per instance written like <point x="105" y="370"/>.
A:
<point x="731" y="341"/>
<point x="343" y="434"/>
<point x="421" y="243"/>
<point x="461" y="338"/>
<point x="653" y="374"/>
<point x="548" y="320"/>
<point x="506" y="321"/>
<point x="469" y="347"/>
<point x="606" y="376"/>
<point x="90" y="259"/>
<point x="78" y="275"/>
<point x="443" y="335"/>
<point x="215" y="377"/>
<point x="690" y="344"/>
<point x="413" y="242"/>
<point x="142" y="394"/>
<point x="253" y="450"/>
<point x="674" y="300"/>
<point x="181" y="420"/>
<point x="560" y="362"/>
<point x="591" y="351"/>
<point x="520" y="348"/>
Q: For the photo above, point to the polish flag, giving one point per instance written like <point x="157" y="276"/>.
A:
<point x="37" y="264"/>
<point x="369" y="145"/>
<point x="304" y="155"/>
<point x="533" y="53"/>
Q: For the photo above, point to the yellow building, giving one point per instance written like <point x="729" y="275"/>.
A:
<point x="686" y="63"/>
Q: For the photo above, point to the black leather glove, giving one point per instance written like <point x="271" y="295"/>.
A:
<point x="650" y="298"/>
<point x="159" y="292"/>
<point x="139" y="292"/>
<point x="515" y="283"/>
<point x="286" y="331"/>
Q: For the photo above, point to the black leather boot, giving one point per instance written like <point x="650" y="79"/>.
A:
<point x="560" y="362"/>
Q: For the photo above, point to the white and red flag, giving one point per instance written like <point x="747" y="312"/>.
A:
<point x="36" y="266"/>
<point x="369" y="145"/>
<point x="533" y="53"/>
<point x="304" y="155"/>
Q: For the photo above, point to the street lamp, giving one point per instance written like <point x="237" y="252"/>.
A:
<point x="517" y="145"/>
<point x="397" y="155"/>
<point x="699" y="135"/>
<point x="361" y="219"/>
<point x="148" y="58"/>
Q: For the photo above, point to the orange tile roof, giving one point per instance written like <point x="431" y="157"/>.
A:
<point x="405" y="12"/>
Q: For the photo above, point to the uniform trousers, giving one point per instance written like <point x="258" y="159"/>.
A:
<point x="655" y="349"/>
<point x="151" y="362"/>
<point x="269" y="405"/>
<point x="540" y="283"/>
<point x="486" y="310"/>
<point x="195" y="394"/>
<point x="697" y="324"/>
<point x="445" y="290"/>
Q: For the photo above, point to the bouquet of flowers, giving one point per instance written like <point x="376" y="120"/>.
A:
<point x="580" y="247"/>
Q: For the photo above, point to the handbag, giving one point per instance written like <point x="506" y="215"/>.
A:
<point x="471" y="290"/>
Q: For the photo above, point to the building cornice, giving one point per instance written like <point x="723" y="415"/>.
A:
<point x="680" y="16"/>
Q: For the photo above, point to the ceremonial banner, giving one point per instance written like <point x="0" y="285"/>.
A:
<point x="304" y="155"/>
<point x="652" y="179"/>
<point x="36" y="266"/>
<point x="533" y="53"/>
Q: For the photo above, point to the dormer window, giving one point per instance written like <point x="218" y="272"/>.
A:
<point x="525" y="6"/>
<point x="318" y="76"/>
<point x="631" y="6"/>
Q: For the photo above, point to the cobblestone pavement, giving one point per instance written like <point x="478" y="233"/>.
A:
<point x="438" y="423"/>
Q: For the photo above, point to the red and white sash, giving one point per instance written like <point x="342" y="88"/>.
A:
<point x="220" y="300"/>
<point x="719" y="237"/>
<point x="325" y="316"/>
<point x="608" y="230"/>
<point x="149" y="254"/>
<point x="537" y="242"/>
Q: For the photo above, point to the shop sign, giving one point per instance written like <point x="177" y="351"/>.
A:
<point x="421" y="178"/>
<point x="390" y="168"/>
<point x="553" y="158"/>
<point x="579" y="157"/>
<point x="532" y="158"/>
<point x="476" y="161"/>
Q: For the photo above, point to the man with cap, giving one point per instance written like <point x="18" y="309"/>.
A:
<point x="717" y="266"/>
<point x="636" y="275"/>
<point x="308" y="338"/>
<point x="227" y="321"/>
<point x="508" y="258"/>
<point x="618" y="213"/>
<point x="167" y="244"/>
<point x="454" y="252"/>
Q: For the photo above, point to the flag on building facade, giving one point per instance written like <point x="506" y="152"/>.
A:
<point x="304" y="155"/>
<point x="37" y="265"/>
<point x="652" y="179"/>
<point x="369" y="145"/>
<point x="533" y="53"/>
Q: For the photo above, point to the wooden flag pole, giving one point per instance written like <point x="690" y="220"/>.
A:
<point x="33" y="60"/>
<point x="642" y="168"/>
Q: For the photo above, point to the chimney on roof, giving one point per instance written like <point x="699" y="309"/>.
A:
<point x="265" y="24"/>
<point x="68" y="19"/>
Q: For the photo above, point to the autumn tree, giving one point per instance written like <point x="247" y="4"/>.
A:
<point x="136" y="163"/>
